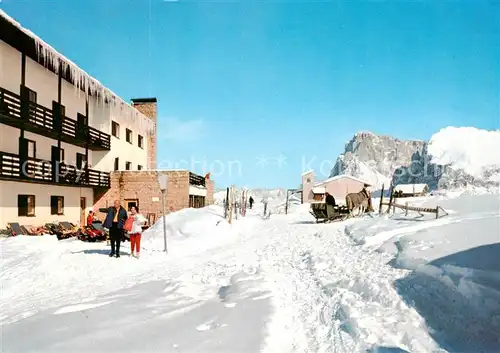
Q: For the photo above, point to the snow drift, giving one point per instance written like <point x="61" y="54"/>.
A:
<point x="203" y="227"/>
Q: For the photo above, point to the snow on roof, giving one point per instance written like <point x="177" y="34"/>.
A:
<point x="340" y="177"/>
<point x="82" y="79"/>
<point x="318" y="190"/>
<point x="410" y="188"/>
<point x="308" y="172"/>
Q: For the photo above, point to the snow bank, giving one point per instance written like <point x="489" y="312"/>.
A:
<point x="206" y="226"/>
<point x="454" y="283"/>
<point x="466" y="148"/>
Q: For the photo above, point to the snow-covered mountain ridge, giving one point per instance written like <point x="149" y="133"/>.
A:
<point x="453" y="157"/>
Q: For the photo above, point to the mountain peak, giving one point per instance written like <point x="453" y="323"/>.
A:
<point x="386" y="159"/>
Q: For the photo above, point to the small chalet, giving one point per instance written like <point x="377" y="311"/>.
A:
<point x="411" y="190"/>
<point x="338" y="186"/>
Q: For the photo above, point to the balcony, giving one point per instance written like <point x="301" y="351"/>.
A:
<point x="196" y="180"/>
<point x="43" y="171"/>
<point x="40" y="120"/>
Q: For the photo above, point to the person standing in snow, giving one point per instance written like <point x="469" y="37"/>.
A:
<point x="329" y="199"/>
<point x="250" y="200"/>
<point x="115" y="220"/>
<point x="136" y="232"/>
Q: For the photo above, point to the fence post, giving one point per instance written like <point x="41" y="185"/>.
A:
<point x="437" y="212"/>
<point x="406" y="209"/>
<point x="286" y="204"/>
<point x="381" y="200"/>
<point x="390" y="199"/>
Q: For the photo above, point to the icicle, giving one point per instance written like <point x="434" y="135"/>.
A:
<point x="83" y="81"/>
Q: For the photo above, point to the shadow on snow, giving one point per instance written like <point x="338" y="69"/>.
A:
<point x="459" y="297"/>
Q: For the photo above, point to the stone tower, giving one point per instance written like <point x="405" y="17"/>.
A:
<point x="308" y="181"/>
<point x="147" y="106"/>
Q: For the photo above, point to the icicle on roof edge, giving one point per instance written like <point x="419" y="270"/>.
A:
<point x="82" y="80"/>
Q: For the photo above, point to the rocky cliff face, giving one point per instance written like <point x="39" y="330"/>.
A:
<point x="375" y="158"/>
<point x="385" y="159"/>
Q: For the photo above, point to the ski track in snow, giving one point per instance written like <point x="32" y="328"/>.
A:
<point x="346" y="298"/>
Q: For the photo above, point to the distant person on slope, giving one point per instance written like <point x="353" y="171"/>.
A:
<point x="136" y="232"/>
<point x="115" y="219"/>
<point x="329" y="199"/>
<point x="250" y="200"/>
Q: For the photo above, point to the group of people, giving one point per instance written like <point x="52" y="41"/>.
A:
<point x="119" y="221"/>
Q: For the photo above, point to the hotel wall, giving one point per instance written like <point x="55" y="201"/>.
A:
<point x="9" y="190"/>
<point x="45" y="84"/>
<point x="9" y="142"/>
<point x="10" y="68"/>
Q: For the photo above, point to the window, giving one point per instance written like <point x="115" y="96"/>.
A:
<point x="128" y="135"/>
<point x="129" y="203"/>
<point x="117" y="163"/>
<point x="115" y="129"/>
<point x="59" y="109"/>
<point x="140" y="141"/>
<point x="29" y="94"/>
<point x="31" y="149"/>
<point x="196" y="201"/>
<point x="57" y="205"/>
<point x="139" y="167"/>
<point x="128" y="165"/>
<point x="81" y="161"/>
<point x="26" y="205"/>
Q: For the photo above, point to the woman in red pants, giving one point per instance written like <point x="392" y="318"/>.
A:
<point x="136" y="231"/>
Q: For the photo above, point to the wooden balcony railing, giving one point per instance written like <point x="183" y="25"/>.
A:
<point x="197" y="180"/>
<point x="40" y="119"/>
<point x="39" y="170"/>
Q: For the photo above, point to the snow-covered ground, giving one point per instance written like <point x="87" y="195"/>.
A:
<point x="285" y="284"/>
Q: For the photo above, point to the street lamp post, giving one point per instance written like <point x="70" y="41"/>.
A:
<point x="163" y="180"/>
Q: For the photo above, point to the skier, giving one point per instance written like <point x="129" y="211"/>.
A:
<point x="250" y="200"/>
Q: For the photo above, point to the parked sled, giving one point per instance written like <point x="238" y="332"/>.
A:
<point x="324" y="213"/>
<point x="93" y="232"/>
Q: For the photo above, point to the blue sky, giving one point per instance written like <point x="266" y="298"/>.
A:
<point x="258" y="91"/>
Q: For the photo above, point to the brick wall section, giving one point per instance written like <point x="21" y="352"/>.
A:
<point x="143" y="186"/>
<point x="149" y="110"/>
<point x="209" y="200"/>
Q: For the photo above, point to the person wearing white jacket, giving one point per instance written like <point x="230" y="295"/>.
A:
<point x="136" y="232"/>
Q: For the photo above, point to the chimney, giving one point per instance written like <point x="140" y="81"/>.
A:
<point x="147" y="106"/>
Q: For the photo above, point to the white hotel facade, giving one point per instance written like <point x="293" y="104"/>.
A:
<point x="61" y="132"/>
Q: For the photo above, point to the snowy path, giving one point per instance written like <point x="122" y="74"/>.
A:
<point x="335" y="297"/>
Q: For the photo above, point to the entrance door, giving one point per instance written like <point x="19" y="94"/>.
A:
<point x="83" y="207"/>
<point x="131" y="203"/>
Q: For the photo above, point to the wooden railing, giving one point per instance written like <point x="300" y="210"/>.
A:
<point x="34" y="114"/>
<point x="197" y="180"/>
<point x="39" y="170"/>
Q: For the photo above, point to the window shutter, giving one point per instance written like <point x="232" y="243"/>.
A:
<point x="53" y="205"/>
<point x="22" y="205"/>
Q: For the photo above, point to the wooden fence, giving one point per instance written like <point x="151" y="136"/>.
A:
<point x="438" y="211"/>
